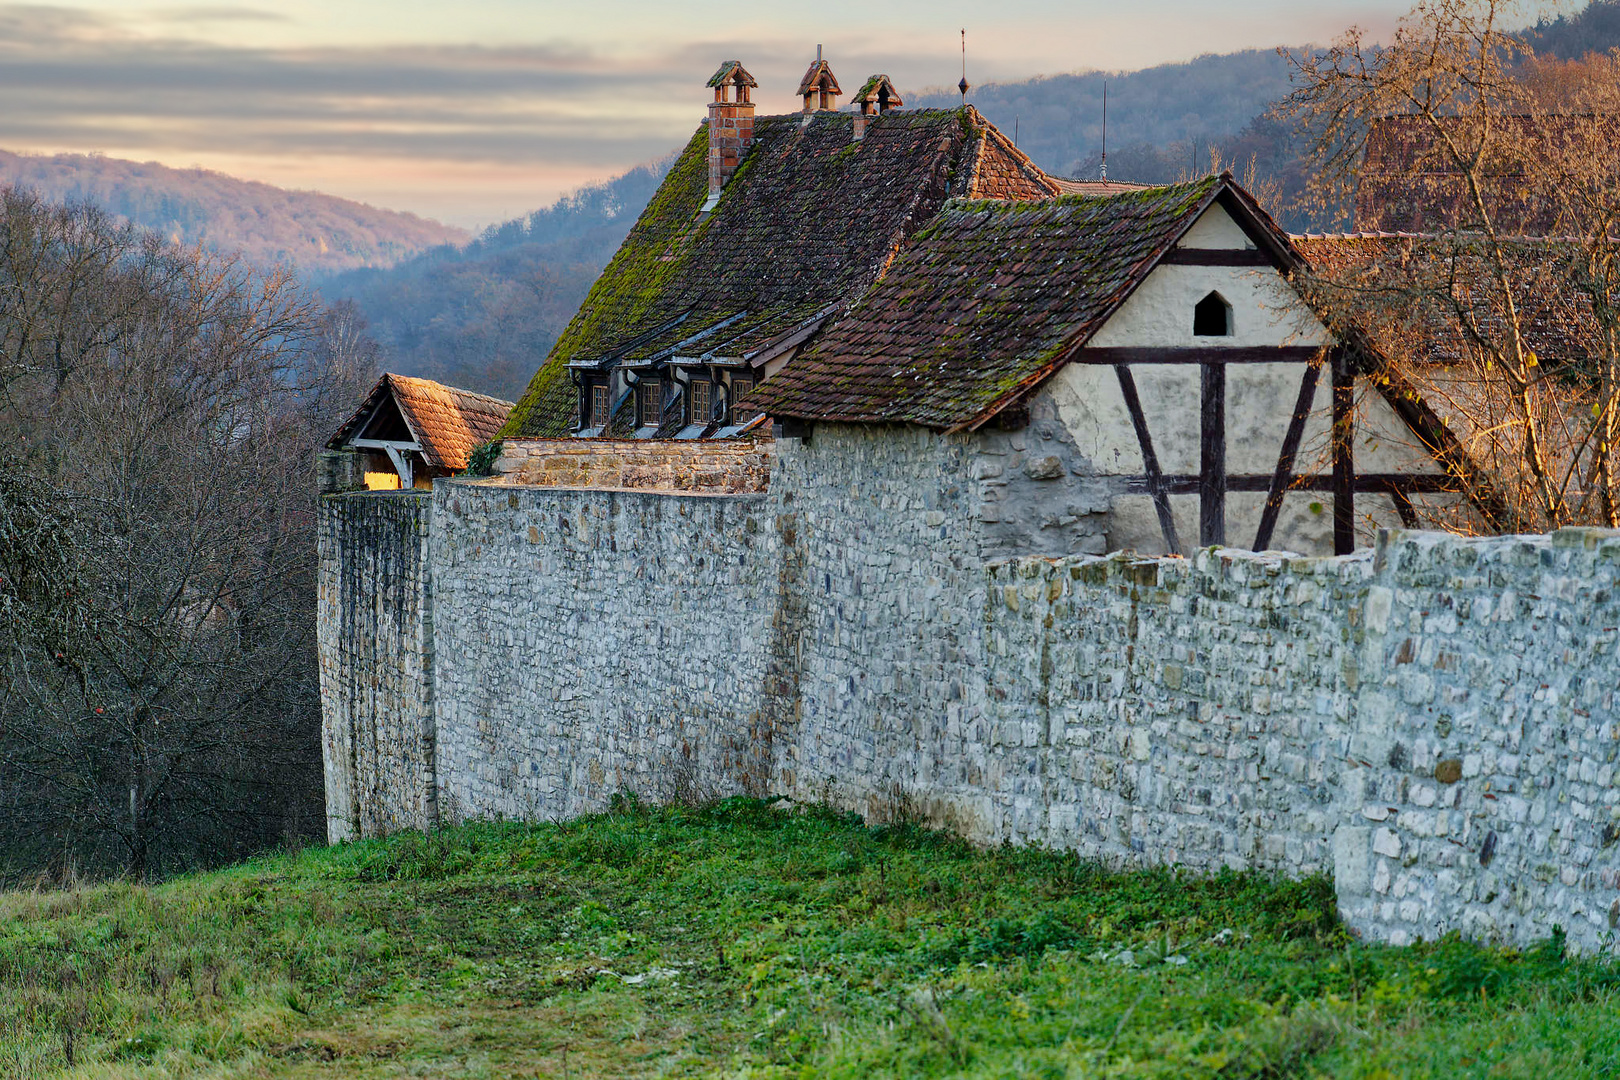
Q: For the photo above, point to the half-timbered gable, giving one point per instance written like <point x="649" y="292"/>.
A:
<point x="1155" y="337"/>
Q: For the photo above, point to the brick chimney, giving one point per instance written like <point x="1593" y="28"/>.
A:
<point x="731" y="125"/>
<point x="818" y="87"/>
<point x="876" y="95"/>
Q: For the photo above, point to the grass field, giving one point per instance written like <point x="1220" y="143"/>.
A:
<point x="743" y="941"/>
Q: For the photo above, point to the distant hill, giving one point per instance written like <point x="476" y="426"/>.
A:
<point x="484" y="316"/>
<point x="319" y="233"/>
<point x="1595" y="28"/>
<point x="1160" y="118"/>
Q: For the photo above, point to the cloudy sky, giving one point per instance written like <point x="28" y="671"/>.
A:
<point x="473" y="111"/>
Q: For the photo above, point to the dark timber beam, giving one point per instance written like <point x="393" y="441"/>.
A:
<point x="1365" y="483"/>
<point x="1154" y="479"/>
<point x="1198" y="354"/>
<point x="1212" y="458"/>
<point x="1216" y="257"/>
<point x="1285" y="460"/>
<point x="1344" y="461"/>
<point x="1403" y="507"/>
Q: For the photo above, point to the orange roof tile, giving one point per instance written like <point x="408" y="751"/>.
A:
<point x="448" y="422"/>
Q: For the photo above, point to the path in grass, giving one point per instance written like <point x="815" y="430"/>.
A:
<point x="741" y="940"/>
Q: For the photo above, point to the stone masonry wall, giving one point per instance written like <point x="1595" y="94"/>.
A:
<point x="375" y="640"/>
<point x="1169" y="710"/>
<point x="889" y="572"/>
<point x="1433" y="722"/>
<point x="1479" y="791"/>
<point x="716" y="466"/>
<point x="591" y="642"/>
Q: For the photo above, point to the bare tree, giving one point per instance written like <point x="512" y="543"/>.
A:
<point x="1502" y="314"/>
<point x="166" y="401"/>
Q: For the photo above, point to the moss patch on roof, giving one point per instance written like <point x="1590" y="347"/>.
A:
<point x="981" y="302"/>
<point x="809" y="219"/>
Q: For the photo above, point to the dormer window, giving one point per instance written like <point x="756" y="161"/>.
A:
<point x="1212" y="317"/>
<point x="740" y="388"/>
<point x="702" y="401"/>
<point x="652" y="402"/>
<point x="599" y="405"/>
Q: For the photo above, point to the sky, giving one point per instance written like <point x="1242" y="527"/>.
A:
<point x="476" y="111"/>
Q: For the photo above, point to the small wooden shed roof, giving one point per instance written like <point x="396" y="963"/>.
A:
<point x="447" y="422"/>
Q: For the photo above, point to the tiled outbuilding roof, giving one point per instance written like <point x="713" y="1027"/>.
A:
<point x="987" y="301"/>
<point x="808" y="221"/>
<point x="448" y="422"/>
<point x="1384" y="266"/>
<point x="1407" y="182"/>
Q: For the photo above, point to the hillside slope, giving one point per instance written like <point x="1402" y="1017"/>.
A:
<point x="484" y="316"/>
<point x="737" y="940"/>
<point x="319" y="233"/>
<point x="1176" y="109"/>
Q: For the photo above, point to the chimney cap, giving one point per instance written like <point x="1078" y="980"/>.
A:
<point x="732" y="73"/>
<point x="878" y="90"/>
<point x="819" y="76"/>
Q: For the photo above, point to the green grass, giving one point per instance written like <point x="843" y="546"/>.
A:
<point x="738" y="940"/>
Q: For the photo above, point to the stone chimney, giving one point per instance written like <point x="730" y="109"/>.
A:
<point x="818" y="87"/>
<point x="876" y="95"/>
<point x="731" y="125"/>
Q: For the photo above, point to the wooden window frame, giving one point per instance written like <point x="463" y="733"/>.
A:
<point x="650" y="400"/>
<point x="740" y="387"/>
<point x="601" y="405"/>
<point x="701" y="403"/>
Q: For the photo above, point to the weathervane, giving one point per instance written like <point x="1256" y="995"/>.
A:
<point x="963" y="85"/>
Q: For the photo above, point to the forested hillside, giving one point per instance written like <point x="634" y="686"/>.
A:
<point x="484" y="316"/>
<point x="1161" y="120"/>
<point x="317" y="233"/>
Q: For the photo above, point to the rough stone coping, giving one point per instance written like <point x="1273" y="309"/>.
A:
<point x="1131" y="564"/>
<point x="509" y="482"/>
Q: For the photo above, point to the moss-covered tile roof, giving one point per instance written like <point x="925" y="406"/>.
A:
<point x="809" y="220"/>
<point x="982" y="303"/>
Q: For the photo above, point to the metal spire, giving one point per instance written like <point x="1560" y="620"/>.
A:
<point x="964" y="85"/>
<point x="1104" y="173"/>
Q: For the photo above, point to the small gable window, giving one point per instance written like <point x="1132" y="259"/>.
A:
<point x="599" y="405"/>
<point x="1212" y="317"/>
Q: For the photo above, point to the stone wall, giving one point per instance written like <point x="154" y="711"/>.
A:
<point x="1480" y="792"/>
<point x="728" y="466"/>
<point x="591" y="642"/>
<point x="1169" y="710"/>
<point x="375" y="639"/>
<point x="889" y="574"/>
<point x="1433" y="722"/>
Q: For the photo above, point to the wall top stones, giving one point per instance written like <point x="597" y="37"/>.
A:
<point x="713" y="466"/>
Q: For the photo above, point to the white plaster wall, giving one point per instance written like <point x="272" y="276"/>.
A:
<point x="1265" y="310"/>
<point x="1091" y="406"/>
<point x="1216" y="229"/>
